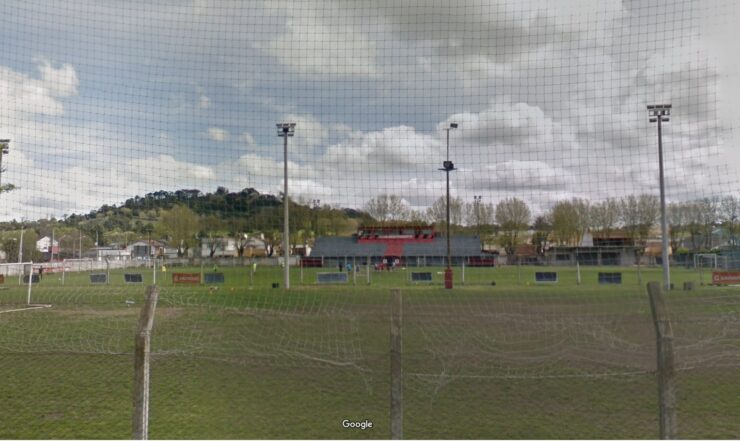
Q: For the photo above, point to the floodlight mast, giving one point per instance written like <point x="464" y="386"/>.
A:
<point x="286" y="130"/>
<point x="447" y="167"/>
<point x="660" y="113"/>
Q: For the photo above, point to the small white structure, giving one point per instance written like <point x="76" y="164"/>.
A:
<point x="45" y="245"/>
<point x="109" y="253"/>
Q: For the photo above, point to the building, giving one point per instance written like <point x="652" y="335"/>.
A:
<point x="108" y="253"/>
<point x="397" y="245"/>
<point x="218" y="247"/>
<point x="146" y="249"/>
<point x="44" y="245"/>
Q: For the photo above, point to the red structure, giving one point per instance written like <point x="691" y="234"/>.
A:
<point x="395" y="237"/>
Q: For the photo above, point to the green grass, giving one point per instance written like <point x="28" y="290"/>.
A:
<point x="514" y="360"/>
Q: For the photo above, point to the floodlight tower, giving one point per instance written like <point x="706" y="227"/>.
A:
<point x="4" y="149"/>
<point x="476" y="204"/>
<point x="286" y="130"/>
<point x="447" y="167"/>
<point x="661" y="113"/>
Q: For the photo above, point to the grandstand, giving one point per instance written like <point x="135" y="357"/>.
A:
<point x="418" y="245"/>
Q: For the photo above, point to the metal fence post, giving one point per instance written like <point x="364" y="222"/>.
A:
<point x="396" y="367"/>
<point x="141" y="365"/>
<point x="666" y="366"/>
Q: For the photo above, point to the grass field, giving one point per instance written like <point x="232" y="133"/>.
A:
<point x="514" y="360"/>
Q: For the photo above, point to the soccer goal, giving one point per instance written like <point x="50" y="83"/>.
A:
<point x="12" y="273"/>
<point x="706" y="260"/>
<point x="26" y="273"/>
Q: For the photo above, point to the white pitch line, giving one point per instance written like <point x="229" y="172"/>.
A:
<point x="27" y="309"/>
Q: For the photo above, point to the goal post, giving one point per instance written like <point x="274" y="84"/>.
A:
<point x="12" y="271"/>
<point x="705" y="260"/>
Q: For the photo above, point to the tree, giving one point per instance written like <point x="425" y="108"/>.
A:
<point x="542" y="229"/>
<point x="181" y="225"/>
<point x="729" y="212"/>
<point x="564" y="223"/>
<point x="639" y="214"/>
<point x="437" y="213"/>
<point x="480" y="216"/>
<point x="677" y="219"/>
<point x="605" y="217"/>
<point x="386" y="208"/>
<point x="512" y="216"/>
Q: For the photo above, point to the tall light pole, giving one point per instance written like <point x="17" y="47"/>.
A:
<point x="4" y="149"/>
<point x="286" y="130"/>
<point x="447" y="167"/>
<point x="315" y="204"/>
<point x="660" y="113"/>
<point x="476" y="205"/>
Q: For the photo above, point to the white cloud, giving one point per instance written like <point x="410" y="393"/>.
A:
<point x="61" y="82"/>
<point x="218" y="134"/>
<point x="21" y="94"/>
<point x="317" y="42"/>
<point x="247" y="139"/>
<point x="309" y="132"/>
<point x="204" y="102"/>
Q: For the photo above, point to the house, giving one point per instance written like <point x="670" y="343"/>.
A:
<point x="255" y="246"/>
<point x="218" y="247"/>
<point x="44" y="245"/>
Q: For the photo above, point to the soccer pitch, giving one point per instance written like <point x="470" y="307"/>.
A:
<point x="244" y="360"/>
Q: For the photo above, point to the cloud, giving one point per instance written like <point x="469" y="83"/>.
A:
<point x="247" y="139"/>
<point x="204" y="102"/>
<point x="318" y="42"/>
<point x="218" y="134"/>
<point x="21" y="94"/>
<point x="61" y="82"/>
<point x="309" y="132"/>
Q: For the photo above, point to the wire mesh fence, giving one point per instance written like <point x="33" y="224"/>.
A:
<point x="491" y="363"/>
<point x="275" y="168"/>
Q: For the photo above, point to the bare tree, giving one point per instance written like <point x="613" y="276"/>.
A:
<point x="729" y="212"/>
<point x="437" y="213"/>
<point x="708" y="217"/>
<point x="387" y="208"/>
<point x="605" y="217"/>
<point x="678" y="218"/>
<point x="638" y="215"/>
<point x="480" y="216"/>
<point x="512" y="216"/>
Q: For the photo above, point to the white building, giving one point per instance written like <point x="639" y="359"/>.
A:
<point x="44" y="245"/>
<point x="218" y="247"/>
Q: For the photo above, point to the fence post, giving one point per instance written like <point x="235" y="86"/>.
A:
<point x="666" y="371"/>
<point x="396" y="367"/>
<point x="141" y="364"/>
<point x="463" y="271"/>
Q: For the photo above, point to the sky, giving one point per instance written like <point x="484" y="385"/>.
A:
<point x="105" y="100"/>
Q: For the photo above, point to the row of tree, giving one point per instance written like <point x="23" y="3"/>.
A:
<point x="182" y="218"/>
<point x="567" y="221"/>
